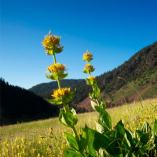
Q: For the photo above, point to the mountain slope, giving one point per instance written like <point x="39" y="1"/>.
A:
<point x="46" y="89"/>
<point x="18" y="104"/>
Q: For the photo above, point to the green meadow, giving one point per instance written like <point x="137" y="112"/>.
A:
<point x="45" y="137"/>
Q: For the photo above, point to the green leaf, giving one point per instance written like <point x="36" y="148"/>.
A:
<point x="89" y="70"/>
<point x="91" y="148"/>
<point x="145" y="138"/>
<point x="71" y="153"/>
<point x="67" y="119"/>
<point x="57" y="50"/>
<point x="145" y="127"/>
<point x="100" y="128"/>
<point x="84" y="139"/>
<point x="95" y="106"/>
<point x="103" y="104"/>
<point x="71" y="141"/>
<point x="96" y="93"/>
<point x="70" y="110"/>
<point x="55" y="101"/>
<point x="155" y="128"/>
<point x="57" y="76"/>
<point x="69" y="97"/>
<point x="105" y="120"/>
<point x="91" y="82"/>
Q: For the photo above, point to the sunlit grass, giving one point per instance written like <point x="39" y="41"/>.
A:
<point x="28" y="139"/>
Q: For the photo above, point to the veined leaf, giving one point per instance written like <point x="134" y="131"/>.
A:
<point x="71" y="141"/>
<point x="67" y="119"/>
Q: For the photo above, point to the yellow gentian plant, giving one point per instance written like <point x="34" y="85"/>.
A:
<point x="105" y="140"/>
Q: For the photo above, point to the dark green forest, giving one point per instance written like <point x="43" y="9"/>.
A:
<point x="18" y="104"/>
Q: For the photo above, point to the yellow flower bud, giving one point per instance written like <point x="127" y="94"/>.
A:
<point x="56" y="68"/>
<point x="51" y="42"/>
<point x="87" y="56"/>
<point x="59" y="93"/>
<point x="91" y="78"/>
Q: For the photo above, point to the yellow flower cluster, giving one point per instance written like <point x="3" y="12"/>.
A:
<point x="88" y="68"/>
<point x="51" y="42"/>
<point x="91" y="78"/>
<point x="59" y="93"/>
<point x="56" y="68"/>
<point x="87" y="56"/>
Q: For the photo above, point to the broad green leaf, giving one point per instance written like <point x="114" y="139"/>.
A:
<point x="96" y="93"/>
<point x="71" y="141"/>
<point x="57" y="76"/>
<point x="84" y="139"/>
<point x="103" y="104"/>
<point x="100" y="128"/>
<point x="97" y="141"/>
<point x="55" y="101"/>
<point x="67" y="119"/>
<point x="91" y="148"/>
<point x="145" y="127"/>
<point x="155" y="128"/>
<point x="88" y="70"/>
<point x="105" y="120"/>
<point x="69" y="97"/>
<point x="57" y="50"/>
<point x="95" y="106"/>
<point x="145" y="138"/>
<point x="71" y="153"/>
<point x="70" y="110"/>
<point x="91" y="82"/>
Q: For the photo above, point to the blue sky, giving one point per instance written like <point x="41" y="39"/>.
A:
<point x="113" y="31"/>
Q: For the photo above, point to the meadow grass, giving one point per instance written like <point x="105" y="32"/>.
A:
<point x="46" y="138"/>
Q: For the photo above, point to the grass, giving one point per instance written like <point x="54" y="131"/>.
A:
<point x="28" y="139"/>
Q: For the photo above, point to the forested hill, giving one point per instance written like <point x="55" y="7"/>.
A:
<point x="141" y="67"/>
<point x="18" y="104"/>
<point x="46" y="89"/>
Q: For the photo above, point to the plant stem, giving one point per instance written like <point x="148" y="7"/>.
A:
<point x="97" y="102"/>
<point x="76" y="135"/>
<point x="58" y="80"/>
<point x="64" y="106"/>
<point x="54" y="58"/>
<point x="59" y="83"/>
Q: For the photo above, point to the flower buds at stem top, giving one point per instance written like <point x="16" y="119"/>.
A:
<point x="60" y="93"/>
<point x="88" y="68"/>
<point x="91" y="78"/>
<point x="52" y="44"/>
<point x="87" y="56"/>
<point x="56" y="68"/>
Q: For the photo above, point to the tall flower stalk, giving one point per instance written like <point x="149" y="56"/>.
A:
<point x="67" y="115"/>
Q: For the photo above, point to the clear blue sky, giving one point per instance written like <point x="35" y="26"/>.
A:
<point x="113" y="31"/>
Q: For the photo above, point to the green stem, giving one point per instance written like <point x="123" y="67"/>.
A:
<point x="64" y="106"/>
<point x="76" y="135"/>
<point x="58" y="80"/>
<point x="59" y="83"/>
<point x="54" y="58"/>
<point x="97" y="102"/>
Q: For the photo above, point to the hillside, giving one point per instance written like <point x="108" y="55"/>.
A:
<point x="21" y="105"/>
<point x="46" y="89"/>
<point x="139" y="73"/>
